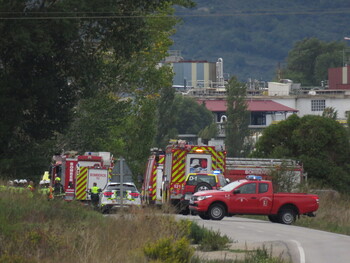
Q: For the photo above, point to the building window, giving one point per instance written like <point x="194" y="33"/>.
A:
<point x="318" y="105"/>
<point x="258" y="118"/>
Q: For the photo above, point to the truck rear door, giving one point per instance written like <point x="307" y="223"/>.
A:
<point x="265" y="198"/>
<point x="98" y="176"/>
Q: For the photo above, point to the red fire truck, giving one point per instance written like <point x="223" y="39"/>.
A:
<point x="79" y="172"/>
<point x="239" y="168"/>
<point x="152" y="185"/>
<point x="167" y="178"/>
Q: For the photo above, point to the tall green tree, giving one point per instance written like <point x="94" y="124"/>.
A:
<point x="238" y="118"/>
<point x="181" y="115"/>
<point x="330" y="112"/>
<point x="98" y="125"/>
<point x="54" y="53"/>
<point x="166" y="117"/>
<point x="308" y="61"/>
<point x="191" y="117"/>
<point x="321" y="143"/>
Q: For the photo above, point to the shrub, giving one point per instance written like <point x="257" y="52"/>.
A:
<point x="168" y="250"/>
<point x="208" y="240"/>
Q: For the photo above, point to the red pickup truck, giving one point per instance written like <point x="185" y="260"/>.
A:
<point x="253" y="196"/>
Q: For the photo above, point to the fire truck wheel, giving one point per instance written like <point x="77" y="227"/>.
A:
<point x="286" y="216"/>
<point x="217" y="211"/>
<point x="204" y="216"/>
<point x="202" y="187"/>
<point x="273" y="218"/>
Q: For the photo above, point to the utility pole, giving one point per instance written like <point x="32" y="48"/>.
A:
<point x="121" y="167"/>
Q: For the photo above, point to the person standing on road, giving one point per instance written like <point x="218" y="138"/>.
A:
<point x="95" y="194"/>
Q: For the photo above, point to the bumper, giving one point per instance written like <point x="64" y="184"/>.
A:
<point x="198" y="207"/>
<point x="117" y="203"/>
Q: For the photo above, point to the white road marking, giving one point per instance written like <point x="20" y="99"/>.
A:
<point x="301" y="251"/>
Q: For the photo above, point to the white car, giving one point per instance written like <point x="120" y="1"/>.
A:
<point x="110" y="197"/>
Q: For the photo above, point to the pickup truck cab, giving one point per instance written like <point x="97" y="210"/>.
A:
<point x="253" y="196"/>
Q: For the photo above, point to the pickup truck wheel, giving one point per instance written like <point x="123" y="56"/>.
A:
<point x="273" y="218"/>
<point x="216" y="212"/>
<point x="286" y="216"/>
<point x="202" y="187"/>
<point x="204" y="216"/>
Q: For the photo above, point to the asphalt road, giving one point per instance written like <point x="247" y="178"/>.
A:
<point x="304" y="245"/>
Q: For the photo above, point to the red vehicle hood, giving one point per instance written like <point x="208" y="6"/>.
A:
<point x="210" y="192"/>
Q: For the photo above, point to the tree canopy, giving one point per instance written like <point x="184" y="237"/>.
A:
<point x="321" y="143"/>
<point x="308" y="61"/>
<point x="254" y="37"/>
<point x="237" y="118"/>
<point x="182" y="115"/>
<point x="59" y="60"/>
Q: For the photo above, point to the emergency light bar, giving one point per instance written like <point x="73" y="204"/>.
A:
<point x="254" y="177"/>
<point x="217" y="172"/>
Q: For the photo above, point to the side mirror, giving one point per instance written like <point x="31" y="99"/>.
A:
<point x="237" y="191"/>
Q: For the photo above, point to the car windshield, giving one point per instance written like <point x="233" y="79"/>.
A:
<point x="198" y="178"/>
<point x="222" y="180"/>
<point x="231" y="186"/>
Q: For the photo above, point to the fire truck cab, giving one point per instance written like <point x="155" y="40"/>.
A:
<point x="167" y="178"/>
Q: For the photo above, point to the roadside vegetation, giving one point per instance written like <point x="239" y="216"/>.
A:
<point x="333" y="214"/>
<point x="33" y="229"/>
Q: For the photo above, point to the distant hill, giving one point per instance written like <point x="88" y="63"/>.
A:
<point x="254" y="36"/>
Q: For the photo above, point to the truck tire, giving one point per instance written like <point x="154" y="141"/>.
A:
<point x="204" y="216"/>
<point x="273" y="218"/>
<point x="286" y="216"/>
<point x="217" y="211"/>
<point x="203" y="187"/>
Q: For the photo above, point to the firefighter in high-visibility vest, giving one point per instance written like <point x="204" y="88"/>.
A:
<point x="45" y="189"/>
<point x="58" y="190"/>
<point x="95" y="194"/>
<point x="31" y="188"/>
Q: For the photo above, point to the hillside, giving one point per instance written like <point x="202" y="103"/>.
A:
<point x="254" y="37"/>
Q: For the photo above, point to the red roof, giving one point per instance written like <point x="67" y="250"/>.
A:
<point x="253" y="105"/>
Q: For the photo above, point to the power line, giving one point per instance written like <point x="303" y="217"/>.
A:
<point x="109" y="15"/>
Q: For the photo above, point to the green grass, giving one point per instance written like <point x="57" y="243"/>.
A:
<point x="37" y="230"/>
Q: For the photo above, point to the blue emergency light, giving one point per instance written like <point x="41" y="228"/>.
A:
<point x="254" y="177"/>
<point x="217" y="172"/>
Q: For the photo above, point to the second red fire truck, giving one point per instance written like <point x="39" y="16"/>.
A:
<point x="166" y="170"/>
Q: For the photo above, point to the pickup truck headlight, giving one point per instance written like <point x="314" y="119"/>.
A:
<point x="200" y="198"/>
